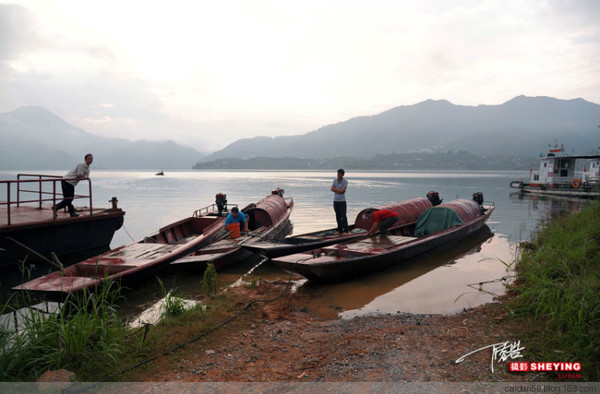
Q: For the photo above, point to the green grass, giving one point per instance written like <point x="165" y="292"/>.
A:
<point x="85" y="335"/>
<point x="88" y="337"/>
<point x="209" y="281"/>
<point x="173" y="305"/>
<point x="558" y="287"/>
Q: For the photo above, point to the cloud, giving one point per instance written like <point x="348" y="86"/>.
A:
<point x="209" y="73"/>
<point x="16" y="31"/>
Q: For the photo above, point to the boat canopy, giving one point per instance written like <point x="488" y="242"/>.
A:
<point x="408" y="211"/>
<point x="445" y="216"/>
<point x="266" y="212"/>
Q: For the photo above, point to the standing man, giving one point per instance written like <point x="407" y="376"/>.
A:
<point x="339" y="201"/>
<point x="68" y="183"/>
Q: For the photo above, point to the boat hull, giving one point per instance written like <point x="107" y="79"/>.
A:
<point x="581" y="192"/>
<point x="66" y="238"/>
<point x="130" y="263"/>
<point x="229" y="252"/>
<point x="408" y="212"/>
<point x="351" y="260"/>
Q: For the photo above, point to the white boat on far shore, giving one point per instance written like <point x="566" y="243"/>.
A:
<point x="563" y="174"/>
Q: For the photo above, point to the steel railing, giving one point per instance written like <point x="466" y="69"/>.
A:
<point x="210" y="209"/>
<point x="41" y="193"/>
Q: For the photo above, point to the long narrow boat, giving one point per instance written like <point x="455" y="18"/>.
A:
<point x="136" y="260"/>
<point x="436" y="227"/>
<point x="267" y="220"/>
<point x="408" y="211"/>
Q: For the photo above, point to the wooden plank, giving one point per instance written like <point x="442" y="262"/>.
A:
<point x="29" y="214"/>
<point x="388" y="242"/>
<point x="140" y="251"/>
<point x="201" y="258"/>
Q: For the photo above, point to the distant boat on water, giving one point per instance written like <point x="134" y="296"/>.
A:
<point x="563" y="174"/>
<point x="161" y="172"/>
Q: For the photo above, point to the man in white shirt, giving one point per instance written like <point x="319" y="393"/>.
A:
<point x="68" y="183"/>
<point x="338" y="187"/>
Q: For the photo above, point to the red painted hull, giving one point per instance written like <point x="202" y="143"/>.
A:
<point x="408" y="212"/>
<point x="354" y="259"/>
<point x="268" y="220"/>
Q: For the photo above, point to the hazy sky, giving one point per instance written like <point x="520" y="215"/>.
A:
<point x="206" y="73"/>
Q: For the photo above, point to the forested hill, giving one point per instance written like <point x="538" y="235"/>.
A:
<point x="407" y="161"/>
<point x="523" y="126"/>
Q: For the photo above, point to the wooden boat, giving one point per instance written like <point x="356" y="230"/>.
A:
<point x="136" y="260"/>
<point x="563" y="175"/>
<point x="267" y="220"/>
<point x="408" y="210"/>
<point x="30" y="233"/>
<point x="436" y="227"/>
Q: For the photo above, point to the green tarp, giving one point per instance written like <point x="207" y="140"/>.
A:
<point x="436" y="219"/>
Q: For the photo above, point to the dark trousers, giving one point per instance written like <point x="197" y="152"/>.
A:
<point x="386" y="224"/>
<point x="340" y="215"/>
<point x="68" y="191"/>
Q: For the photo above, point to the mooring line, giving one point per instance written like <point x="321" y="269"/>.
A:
<point x="72" y="387"/>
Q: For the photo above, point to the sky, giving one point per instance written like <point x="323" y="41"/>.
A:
<point x="207" y="73"/>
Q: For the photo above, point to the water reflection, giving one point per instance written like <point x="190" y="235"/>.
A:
<point x="445" y="281"/>
<point x="432" y="283"/>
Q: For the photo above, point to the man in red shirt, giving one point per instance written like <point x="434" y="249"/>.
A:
<point x="384" y="218"/>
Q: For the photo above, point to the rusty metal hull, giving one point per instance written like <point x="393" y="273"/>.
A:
<point x="408" y="212"/>
<point x="354" y="259"/>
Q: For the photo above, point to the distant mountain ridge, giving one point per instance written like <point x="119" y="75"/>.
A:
<point x="521" y="126"/>
<point x="34" y="138"/>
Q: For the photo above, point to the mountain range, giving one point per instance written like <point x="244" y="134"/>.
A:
<point x="521" y="126"/>
<point x="517" y="131"/>
<point x="34" y="138"/>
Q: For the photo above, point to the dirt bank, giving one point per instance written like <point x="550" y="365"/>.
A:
<point x="283" y="341"/>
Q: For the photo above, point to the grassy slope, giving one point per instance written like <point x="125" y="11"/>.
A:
<point x="558" y="288"/>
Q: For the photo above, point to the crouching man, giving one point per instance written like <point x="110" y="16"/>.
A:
<point x="384" y="219"/>
<point x="235" y="216"/>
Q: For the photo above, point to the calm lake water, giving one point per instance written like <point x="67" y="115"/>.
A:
<point x="442" y="282"/>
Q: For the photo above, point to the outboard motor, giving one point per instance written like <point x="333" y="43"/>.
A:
<point x="478" y="197"/>
<point x="278" y="192"/>
<point x="434" y="198"/>
<point x="221" y="201"/>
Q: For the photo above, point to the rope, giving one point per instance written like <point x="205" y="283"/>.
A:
<point x="194" y="339"/>
<point x="503" y="279"/>
<point x="480" y="284"/>
<point x="127" y="232"/>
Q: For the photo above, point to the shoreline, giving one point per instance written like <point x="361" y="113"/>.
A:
<point x="283" y="342"/>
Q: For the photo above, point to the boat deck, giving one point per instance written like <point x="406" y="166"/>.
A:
<point x="365" y="247"/>
<point x="25" y="215"/>
<point x="138" y="253"/>
<point x="371" y="245"/>
<point x="218" y="249"/>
